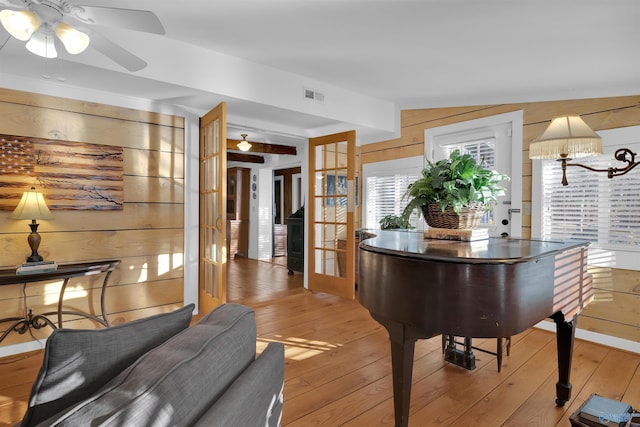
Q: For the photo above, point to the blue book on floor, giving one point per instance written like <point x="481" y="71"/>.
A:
<point x="600" y="411"/>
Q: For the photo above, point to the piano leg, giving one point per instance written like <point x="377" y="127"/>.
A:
<point x="403" y="341"/>
<point x="402" y="351"/>
<point x="564" y="338"/>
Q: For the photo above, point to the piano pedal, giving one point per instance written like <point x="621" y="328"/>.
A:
<point x="460" y="357"/>
<point x="465" y="358"/>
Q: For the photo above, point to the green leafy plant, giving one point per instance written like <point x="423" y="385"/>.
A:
<point x="391" y="222"/>
<point x="458" y="181"/>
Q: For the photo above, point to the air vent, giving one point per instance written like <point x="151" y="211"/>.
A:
<point x="313" y="95"/>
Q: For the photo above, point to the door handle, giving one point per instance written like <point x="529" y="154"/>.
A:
<point x="514" y="210"/>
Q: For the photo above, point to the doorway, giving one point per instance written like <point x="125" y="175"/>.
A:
<point x="283" y="206"/>
<point x="498" y="140"/>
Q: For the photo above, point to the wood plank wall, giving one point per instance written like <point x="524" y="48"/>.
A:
<point x="617" y="292"/>
<point x="147" y="235"/>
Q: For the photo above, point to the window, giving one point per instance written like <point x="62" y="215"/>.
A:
<point x="482" y="150"/>
<point x="384" y="197"/>
<point x="384" y="185"/>
<point x="593" y="207"/>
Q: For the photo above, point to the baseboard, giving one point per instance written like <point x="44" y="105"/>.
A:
<point x="10" y="350"/>
<point x="595" y="337"/>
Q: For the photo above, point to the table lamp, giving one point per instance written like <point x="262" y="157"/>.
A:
<point x="32" y="206"/>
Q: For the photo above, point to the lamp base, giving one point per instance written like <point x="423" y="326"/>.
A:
<point x="34" y="243"/>
<point x="34" y="258"/>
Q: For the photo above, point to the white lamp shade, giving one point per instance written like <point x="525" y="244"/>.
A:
<point x="20" y="24"/>
<point x="74" y="41"/>
<point x="31" y="206"/>
<point x="244" y="146"/>
<point x="42" y="44"/>
<point x="566" y="136"/>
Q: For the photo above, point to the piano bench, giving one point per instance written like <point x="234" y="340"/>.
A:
<point x="467" y="359"/>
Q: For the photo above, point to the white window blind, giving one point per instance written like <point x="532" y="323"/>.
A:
<point x="595" y="208"/>
<point x="384" y="197"/>
<point x="592" y="207"/>
<point x="484" y="149"/>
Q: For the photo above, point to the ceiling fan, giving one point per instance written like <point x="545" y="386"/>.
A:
<point x="37" y="21"/>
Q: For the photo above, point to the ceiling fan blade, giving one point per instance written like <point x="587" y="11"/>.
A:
<point x="4" y="38"/>
<point x="117" y="53"/>
<point x="138" y="20"/>
<point x="12" y="4"/>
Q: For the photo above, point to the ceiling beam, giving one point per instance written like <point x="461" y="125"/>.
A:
<point x="259" y="147"/>
<point x="247" y="158"/>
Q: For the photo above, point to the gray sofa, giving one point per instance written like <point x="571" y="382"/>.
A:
<point x="159" y="372"/>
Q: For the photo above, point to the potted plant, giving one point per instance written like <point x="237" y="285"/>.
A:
<point x="454" y="192"/>
<point x="393" y="222"/>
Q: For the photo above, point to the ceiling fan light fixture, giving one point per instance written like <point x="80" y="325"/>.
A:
<point x="20" y="24"/>
<point x="74" y="41"/>
<point x="42" y="44"/>
<point x="244" y="144"/>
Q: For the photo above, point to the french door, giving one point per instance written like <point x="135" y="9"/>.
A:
<point x="213" y="208"/>
<point x="331" y="230"/>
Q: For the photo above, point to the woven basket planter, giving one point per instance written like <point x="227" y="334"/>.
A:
<point x="468" y="218"/>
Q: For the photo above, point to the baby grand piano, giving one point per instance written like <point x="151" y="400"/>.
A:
<point x="418" y="288"/>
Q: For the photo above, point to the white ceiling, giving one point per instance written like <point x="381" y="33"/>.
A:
<point x="372" y="57"/>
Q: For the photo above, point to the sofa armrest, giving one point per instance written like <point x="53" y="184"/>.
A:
<point x="255" y="397"/>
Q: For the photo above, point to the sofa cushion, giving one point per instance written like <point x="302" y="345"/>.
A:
<point x="175" y="383"/>
<point x="78" y="362"/>
<point x="255" y="398"/>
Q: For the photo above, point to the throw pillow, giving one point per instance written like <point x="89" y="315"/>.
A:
<point x="77" y="362"/>
<point x="176" y="382"/>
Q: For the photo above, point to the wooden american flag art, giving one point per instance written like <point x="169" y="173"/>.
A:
<point x="72" y="175"/>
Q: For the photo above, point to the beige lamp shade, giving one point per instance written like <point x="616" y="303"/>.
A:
<point x="20" y="24"/>
<point x="74" y="41"/>
<point x="31" y="206"/>
<point x="566" y="137"/>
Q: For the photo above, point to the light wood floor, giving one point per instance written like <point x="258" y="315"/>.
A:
<point x="338" y="369"/>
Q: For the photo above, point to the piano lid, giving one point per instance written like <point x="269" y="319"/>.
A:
<point x="490" y="251"/>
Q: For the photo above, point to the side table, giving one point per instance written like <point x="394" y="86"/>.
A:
<point x="64" y="272"/>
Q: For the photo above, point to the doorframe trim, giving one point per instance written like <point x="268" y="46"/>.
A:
<point x="516" y="118"/>
<point x="191" y="210"/>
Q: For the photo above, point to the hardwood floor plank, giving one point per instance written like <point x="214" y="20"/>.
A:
<point x="503" y="400"/>
<point x="338" y="366"/>
<point x="538" y="409"/>
<point x="632" y="394"/>
<point x="612" y="377"/>
<point x="444" y="397"/>
<point x="319" y="400"/>
<point x="305" y="377"/>
<point x="341" y="412"/>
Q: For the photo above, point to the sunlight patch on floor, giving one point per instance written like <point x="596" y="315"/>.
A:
<point x="298" y="348"/>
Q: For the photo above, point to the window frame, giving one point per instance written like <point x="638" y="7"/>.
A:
<point x="408" y="165"/>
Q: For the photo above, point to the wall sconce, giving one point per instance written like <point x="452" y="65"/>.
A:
<point x="32" y="206"/>
<point x="570" y="137"/>
<point x="244" y="144"/>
